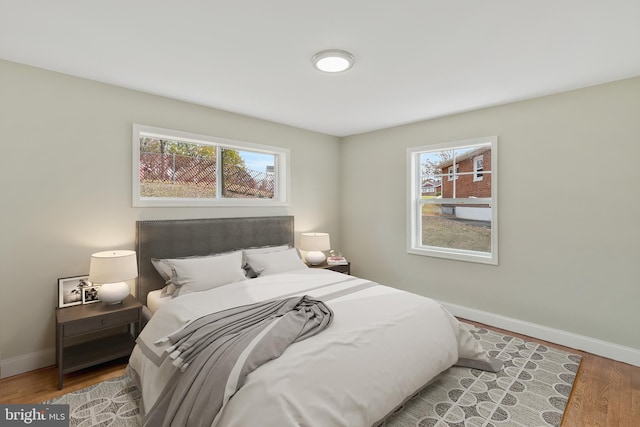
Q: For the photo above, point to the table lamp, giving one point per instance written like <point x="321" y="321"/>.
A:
<point x="110" y="270"/>
<point x="315" y="243"/>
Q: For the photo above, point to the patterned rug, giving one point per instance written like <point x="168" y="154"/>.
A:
<point x="532" y="389"/>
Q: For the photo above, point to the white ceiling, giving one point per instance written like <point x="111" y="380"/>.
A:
<point x="414" y="59"/>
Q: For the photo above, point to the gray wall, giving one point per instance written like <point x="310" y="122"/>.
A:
<point x="66" y="180"/>
<point x="568" y="212"/>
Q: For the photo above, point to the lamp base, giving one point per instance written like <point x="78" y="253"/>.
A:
<point x="113" y="293"/>
<point x="315" y="257"/>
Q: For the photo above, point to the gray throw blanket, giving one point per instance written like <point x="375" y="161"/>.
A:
<point x="216" y="353"/>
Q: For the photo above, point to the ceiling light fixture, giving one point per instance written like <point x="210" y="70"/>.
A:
<point x="332" y="60"/>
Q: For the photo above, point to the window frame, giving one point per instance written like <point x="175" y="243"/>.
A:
<point x="453" y="172"/>
<point x="415" y="202"/>
<point x="282" y="170"/>
<point x="478" y="172"/>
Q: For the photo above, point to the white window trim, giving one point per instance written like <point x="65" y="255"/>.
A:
<point x="282" y="170"/>
<point x="414" y="203"/>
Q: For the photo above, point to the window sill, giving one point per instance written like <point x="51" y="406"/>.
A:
<point x="468" y="256"/>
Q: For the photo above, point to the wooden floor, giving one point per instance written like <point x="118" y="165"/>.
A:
<point x="605" y="393"/>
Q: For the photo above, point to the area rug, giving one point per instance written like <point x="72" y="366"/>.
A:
<point x="532" y="389"/>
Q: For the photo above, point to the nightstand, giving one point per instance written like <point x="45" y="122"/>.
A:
<point x="91" y="319"/>
<point x="344" y="269"/>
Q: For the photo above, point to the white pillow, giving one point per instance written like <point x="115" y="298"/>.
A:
<point x="261" y="250"/>
<point x="275" y="262"/>
<point x="162" y="268"/>
<point x="203" y="273"/>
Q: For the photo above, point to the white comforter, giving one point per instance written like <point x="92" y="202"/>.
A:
<point x="383" y="345"/>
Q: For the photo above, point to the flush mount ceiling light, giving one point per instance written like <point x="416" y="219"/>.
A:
<point x="332" y="60"/>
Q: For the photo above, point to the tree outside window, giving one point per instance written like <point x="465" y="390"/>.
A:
<point x="174" y="168"/>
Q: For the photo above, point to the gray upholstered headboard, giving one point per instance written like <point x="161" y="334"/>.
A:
<point x="180" y="238"/>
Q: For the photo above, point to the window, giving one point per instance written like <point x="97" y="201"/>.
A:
<point x="451" y="175"/>
<point x="459" y="221"/>
<point x="477" y="168"/>
<point x="173" y="168"/>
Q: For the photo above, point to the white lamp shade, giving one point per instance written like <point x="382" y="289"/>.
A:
<point x="315" y="243"/>
<point x="111" y="269"/>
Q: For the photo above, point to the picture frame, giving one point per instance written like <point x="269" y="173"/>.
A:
<point x="70" y="290"/>
<point x="90" y="294"/>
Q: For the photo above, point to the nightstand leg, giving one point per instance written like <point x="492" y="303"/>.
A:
<point x="59" y="362"/>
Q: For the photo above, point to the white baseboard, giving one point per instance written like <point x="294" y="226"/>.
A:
<point x="568" y="339"/>
<point x="27" y="362"/>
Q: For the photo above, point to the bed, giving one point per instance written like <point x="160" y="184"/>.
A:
<point x="380" y="347"/>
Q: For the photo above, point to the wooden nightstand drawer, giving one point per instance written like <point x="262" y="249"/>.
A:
<point x="97" y="323"/>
